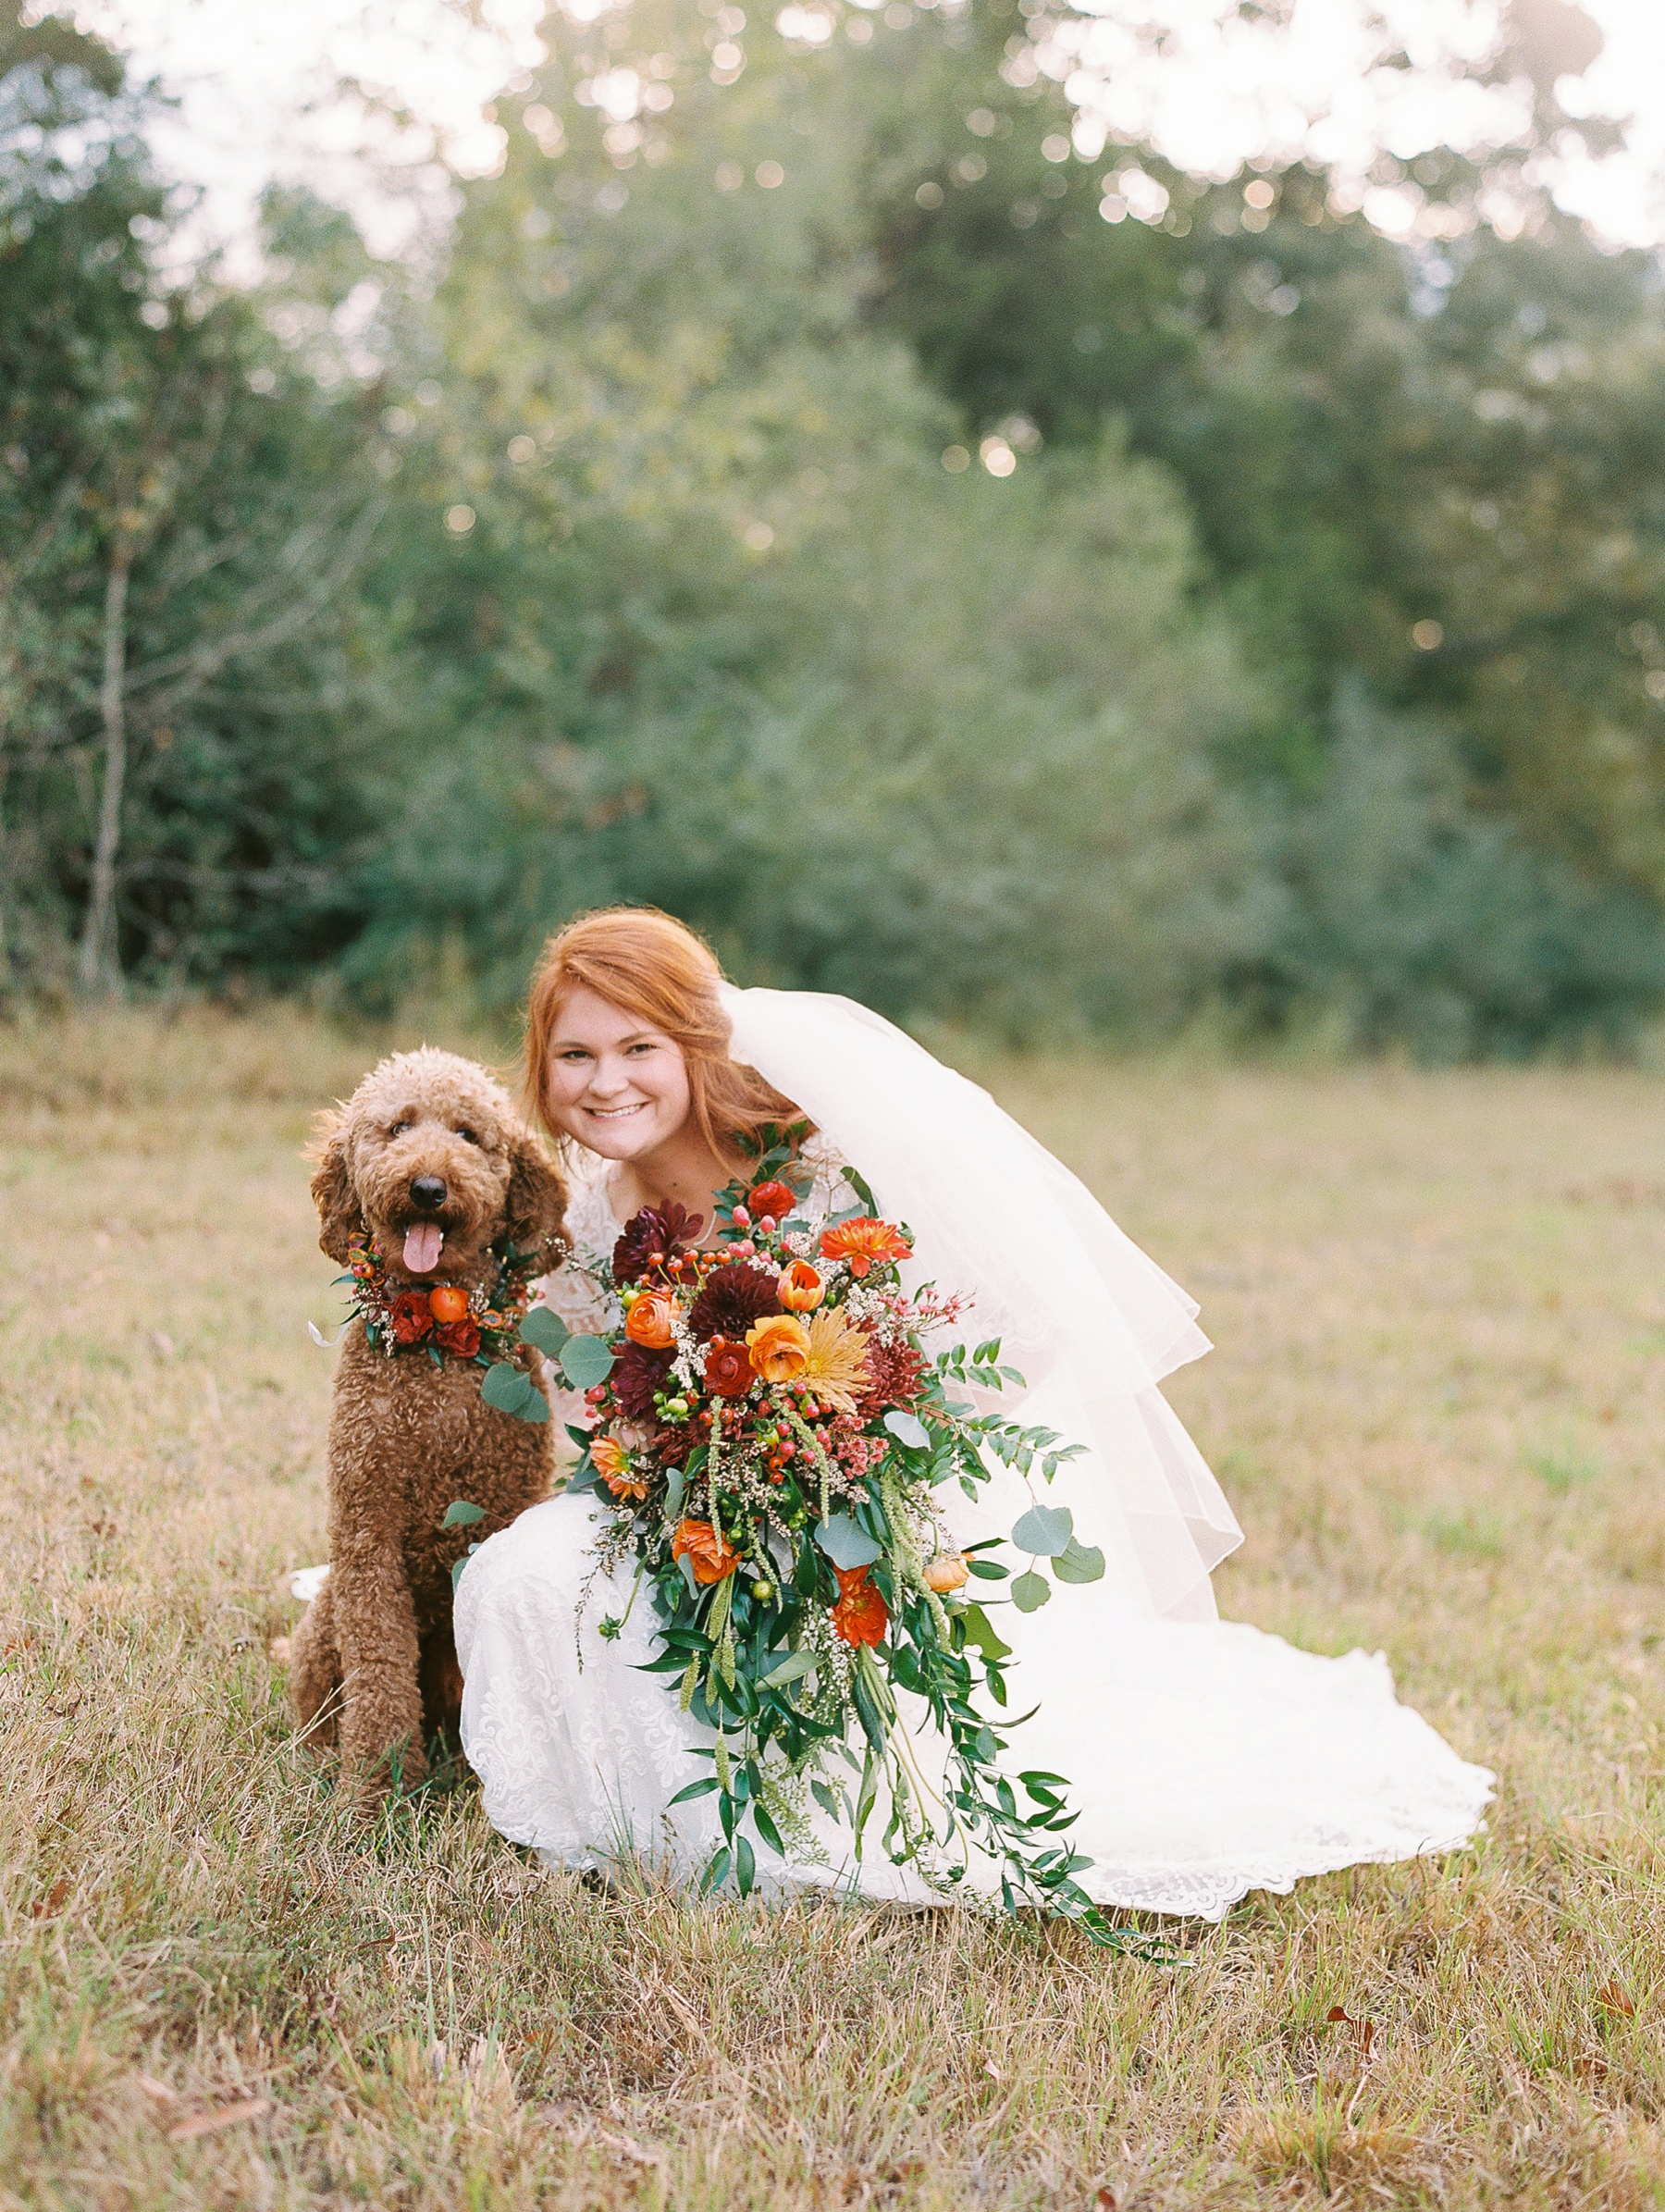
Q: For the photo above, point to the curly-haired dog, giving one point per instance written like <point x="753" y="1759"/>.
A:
<point x="428" y="1160"/>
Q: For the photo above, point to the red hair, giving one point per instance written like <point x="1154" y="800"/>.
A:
<point x="655" y="968"/>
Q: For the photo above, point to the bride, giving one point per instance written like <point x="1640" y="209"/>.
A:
<point x="1204" y="1757"/>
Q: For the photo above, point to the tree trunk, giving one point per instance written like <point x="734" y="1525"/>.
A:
<point x="101" y="896"/>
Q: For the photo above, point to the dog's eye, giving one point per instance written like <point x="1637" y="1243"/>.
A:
<point x="398" y="1128"/>
<point x="468" y="1136"/>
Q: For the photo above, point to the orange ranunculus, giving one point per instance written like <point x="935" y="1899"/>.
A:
<point x="800" y="1288"/>
<point x="648" y="1320"/>
<point x="775" y="1198"/>
<point x="861" y="1242"/>
<point x="448" y="1302"/>
<point x="713" y="1557"/>
<point x="779" y="1347"/>
<point x="946" y="1572"/>
<point x="860" y="1615"/>
<point x="728" y="1368"/>
<point x="611" y="1462"/>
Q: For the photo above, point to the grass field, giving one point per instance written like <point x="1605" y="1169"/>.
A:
<point x="1438" y="1404"/>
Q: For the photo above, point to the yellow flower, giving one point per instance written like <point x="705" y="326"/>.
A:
<point x="836" y="1368"/>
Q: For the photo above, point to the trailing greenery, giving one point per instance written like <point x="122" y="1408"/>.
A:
<point x="364" y="623"/>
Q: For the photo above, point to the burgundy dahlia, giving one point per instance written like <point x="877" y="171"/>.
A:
<point x="638" y="1373"/>
<point x="733" y="1299"/>
<point x="653" y="1234"/>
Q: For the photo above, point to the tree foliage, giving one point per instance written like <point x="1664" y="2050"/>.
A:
<point x="1303" y="662"/>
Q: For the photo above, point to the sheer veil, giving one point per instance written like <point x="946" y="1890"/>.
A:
<point x="1093" y="1323"/>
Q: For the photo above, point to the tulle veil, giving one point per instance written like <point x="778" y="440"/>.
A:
<point x="1093" y="1323"/>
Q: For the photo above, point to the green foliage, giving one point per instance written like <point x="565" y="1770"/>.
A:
<point x="1307" y="664"/>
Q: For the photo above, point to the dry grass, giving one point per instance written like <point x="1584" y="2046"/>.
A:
<point x="1438" y="1406"/>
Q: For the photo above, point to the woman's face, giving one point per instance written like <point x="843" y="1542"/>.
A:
<point x="617" y="1087"/>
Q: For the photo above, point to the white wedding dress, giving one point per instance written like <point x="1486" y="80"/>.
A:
<point x="1204" y="1757"/>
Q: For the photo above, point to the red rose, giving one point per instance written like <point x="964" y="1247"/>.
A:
<point x="411" y="1316"/>
<point x="460" y="1337"/>
<point x="775" y="1198"/>
<point x="728" y="1368"/>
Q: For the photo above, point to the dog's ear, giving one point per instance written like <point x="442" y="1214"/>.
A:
<point x="332" y="1189"/>
<point x="537" y="1202"/>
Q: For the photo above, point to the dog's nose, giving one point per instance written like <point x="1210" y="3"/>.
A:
<point x="429" y="1193"/>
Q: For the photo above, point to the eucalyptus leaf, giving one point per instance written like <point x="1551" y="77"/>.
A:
<point x="585" y="1360"/>
<point x="1030" y="1592"/>
<point x="909" y="1429"/>
<point x="1045" y="1530"/>
<point x="1078" y="1563"/>
<point x="846" y="1544"/>
<point x="676" y="1483"/>
<point x="506" y="1388"/>
<point x="546" y="1329"/>
<point x="462" y="1513"/>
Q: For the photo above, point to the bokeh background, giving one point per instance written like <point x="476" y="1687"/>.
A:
<point x="1122" y="521"/>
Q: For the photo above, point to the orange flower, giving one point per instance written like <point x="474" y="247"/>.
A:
<point x="800" y="1288"/>
<point x="410" y="1317"/>
<point x="648" y="1320"/>
<point x="611" y="1462"/>
<point x="713" y="1557"/>
<point x="947" y="1571"/>
<point x="860" y="1615"/>
<point x="862" y="1242"/>
<point x="779" y="1347"/>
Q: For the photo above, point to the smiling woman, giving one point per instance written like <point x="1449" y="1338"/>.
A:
<point x="627" y="1056"/>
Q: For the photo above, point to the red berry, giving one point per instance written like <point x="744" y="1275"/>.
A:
<point x="767" y="1225"/>
<point x="742" y="1219"/>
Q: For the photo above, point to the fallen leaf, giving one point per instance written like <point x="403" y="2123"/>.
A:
<point x="44" y="1908"/>
<point x="1591" y="2067"/>
<point x="1616" y="1998"/>
<point x="992" y="2070"/>
<point x="1105" y="2200"/>
<point x="222" y="2115"/>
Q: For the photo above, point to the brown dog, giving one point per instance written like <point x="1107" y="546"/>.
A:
<point x="427" y="1165"/>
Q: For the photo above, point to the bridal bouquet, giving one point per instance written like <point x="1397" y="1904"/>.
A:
<point x="770" y="1435"/>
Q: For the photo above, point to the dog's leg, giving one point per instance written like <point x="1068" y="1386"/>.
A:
<point x="381" y="1701"/>
<point x="315" y="1670"/>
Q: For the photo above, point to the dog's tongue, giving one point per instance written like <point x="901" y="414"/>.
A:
<point x="423" y="1242"/>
